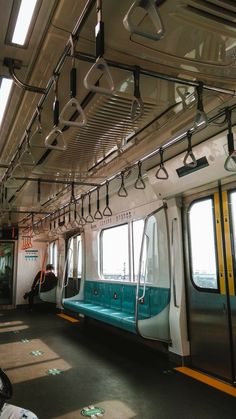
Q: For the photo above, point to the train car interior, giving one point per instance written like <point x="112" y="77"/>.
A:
<point x="118" y="174"/>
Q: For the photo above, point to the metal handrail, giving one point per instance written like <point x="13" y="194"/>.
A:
<point x="145" y="270"/>
<point x="174" y="220"/>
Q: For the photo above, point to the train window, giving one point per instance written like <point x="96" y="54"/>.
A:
<point x="115" y="253"/>
<point x="53" y="255"/>
<point x="203" y="244"/>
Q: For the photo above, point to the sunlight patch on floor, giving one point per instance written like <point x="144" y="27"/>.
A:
<point x="18" y="362"/>
<point x="12" y="326"/>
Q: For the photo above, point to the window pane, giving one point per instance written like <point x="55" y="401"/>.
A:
<point x="137" y="241"/>
<point x="79" y="259"/>
<point x="70" y="259"/>
<point x="53" y="255"/>
<point x="203" y="246"/>
<point x="156" y="254"/>
<point x="115" y="253"/>
<point x="75" y="257"/>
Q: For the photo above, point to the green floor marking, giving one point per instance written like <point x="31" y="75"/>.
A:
<point x="53" y="371"/>
<point x="36" y="353"/>
<point x="92" y="412"/>
<point x="25" y="340"/>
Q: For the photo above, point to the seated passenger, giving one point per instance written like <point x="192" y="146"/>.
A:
<point x="9" y="411"/>
<point x="49" y="281"/>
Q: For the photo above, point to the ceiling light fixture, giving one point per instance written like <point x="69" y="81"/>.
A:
<point x="23" y="21"/>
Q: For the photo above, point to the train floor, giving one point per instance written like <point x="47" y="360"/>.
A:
<point x="57" y="368"/>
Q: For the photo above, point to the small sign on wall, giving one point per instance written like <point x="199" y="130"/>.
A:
<point x="31" y="255"/>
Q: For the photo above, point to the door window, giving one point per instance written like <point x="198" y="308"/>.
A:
<point x="203" y="244"/>
<point x="6" y="272"/>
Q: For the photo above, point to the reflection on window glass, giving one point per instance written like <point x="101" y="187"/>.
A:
<point x="115" y="253"/>
<point x="53" y="256"/>
<point x="137" y="241"/>
<point x="79" y="257"/>
<point x="233" y="213"/>
<point x="155" y="257"/>
<point x="203" y="247"/>
<point x="75" y="257"/>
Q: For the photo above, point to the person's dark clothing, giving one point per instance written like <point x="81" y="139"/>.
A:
<point x="49" y="281"/>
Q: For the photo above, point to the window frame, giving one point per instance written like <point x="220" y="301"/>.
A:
<point x="203" y="289"/>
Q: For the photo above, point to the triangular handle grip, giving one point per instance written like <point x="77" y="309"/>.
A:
<point x="100" y="65"/>
<point x="190" y="160"/>
<point x="74" y="104"/>
<point x="55" y="134"/>
<point x="137" y="109"/>
<point x="153" y="13"/>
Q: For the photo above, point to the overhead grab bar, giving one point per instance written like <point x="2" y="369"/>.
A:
<point x="137" y="107"/>
<point x="58" y="142"/>
<point x="73" y="102"/>
<point x="100" y="66"/>
<point x="152" y="11"/>
<point x="162" y="168"/>
<point x="139" y="184"/>
<point x="189" y="154"/>
<point x="230" y="162"/>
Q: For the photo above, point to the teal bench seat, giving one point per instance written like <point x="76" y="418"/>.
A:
<point x="114" y="303"/>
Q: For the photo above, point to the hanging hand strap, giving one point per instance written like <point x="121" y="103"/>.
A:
<point x="55" y="139"/>
<point x="189" y="154"/>
<point x="137" y="107"/>
<point x="139" y="184"/>
<point x="151" y="9"/>
<point x="36" y="137"/>
<point x="122" y="192"/>
<point x="201" y="116"/>
<point x="89" y="218"/>
<point x="162" y="173"/>
<point x="107" y="210"/>
<point x="73" y="102"/>
<point x="230" y="162"/>
<point x="98" y="214"/>
<point x="99" y="68"/>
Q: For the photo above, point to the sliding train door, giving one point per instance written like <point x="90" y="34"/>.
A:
<point x="6" y="272"/>
<point x="211" y="225"/>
